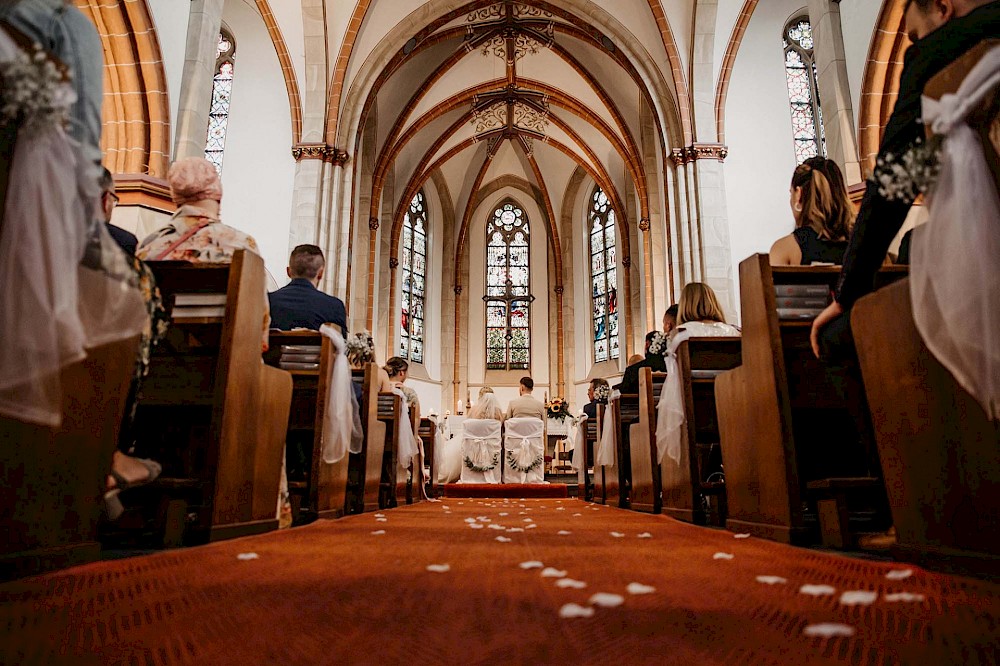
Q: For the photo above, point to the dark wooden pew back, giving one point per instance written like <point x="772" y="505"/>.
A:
<point x="366" y="467"/>
<point x="428" y="435"/>
<point x="618" y="478"/>
<point x="644" y="472"/>
<point x="585" y="459"/>
<point x="391" y="412"/>
<point x="599" y="491"/>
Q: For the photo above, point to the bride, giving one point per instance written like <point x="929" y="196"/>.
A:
<point x="449" y="461"/>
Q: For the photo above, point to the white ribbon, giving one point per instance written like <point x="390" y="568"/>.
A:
<point x="954" y="276"/>
<point x="605" y="454"/>
<point x="341" y="416"/>
<point x="407" y="447"/>
<point x="670" y="413"/>
<point x="579" y="443"/>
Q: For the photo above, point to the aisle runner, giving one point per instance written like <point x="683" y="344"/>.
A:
<point x="498" y="581"/>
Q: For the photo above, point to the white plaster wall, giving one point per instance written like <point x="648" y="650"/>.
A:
<point x="258" y="169"/>
<point x="171" y="21"/>
<point x="759" y="132"/>
<point x="858" y="19"/>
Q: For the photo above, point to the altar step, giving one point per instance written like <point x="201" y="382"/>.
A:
<point x="511" y="490"/>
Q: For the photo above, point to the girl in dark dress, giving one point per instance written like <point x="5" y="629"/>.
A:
<point x="823" y="215"/>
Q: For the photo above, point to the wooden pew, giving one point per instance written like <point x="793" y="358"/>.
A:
<point x="53" y="479"/>
<point x="644" y="471"/>
<point x="428" y="434"/>
<point x="392" y="485"/>
<point x="687" y="485"/>
<point x="585" y="458"/>
<point x="618" y="478"/>
<point x="599" y="491"/>
<point x="365" y="474"/>
<point x="415" y="470"/>
<point x="322" y="491"/>
<point x="210" y="411"/>
<point x="779" y="412"/>
<point x="937" y="445"/>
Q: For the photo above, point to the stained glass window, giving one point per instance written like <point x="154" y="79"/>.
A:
<point x="603" y="277"/>
<point x="411" y="329"/>
<point x="803" y="90"/>
<point x="508" y="298"/>
<point x="222" y="90"/>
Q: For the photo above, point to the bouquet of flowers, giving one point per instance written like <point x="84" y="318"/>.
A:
<point x="658" y="345"/>
<point x="602" y="393"/>
<point x="33" y="93"/>
<point x="557" y="408"/>
<point x="915" y="172"/>
<point x="360" y="348"/>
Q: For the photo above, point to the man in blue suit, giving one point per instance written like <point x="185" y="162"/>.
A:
<point x="300" y="304"/>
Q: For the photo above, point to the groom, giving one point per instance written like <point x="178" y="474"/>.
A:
<point x="526" y="405"/>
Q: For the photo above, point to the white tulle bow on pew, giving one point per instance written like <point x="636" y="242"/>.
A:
<point x="955" y="270"/>
<point x="605" y="454"/>
<point x="407" y="444"/>
<point x="670" y="413"/>
<point x="579" y="442"/>
<point x="341" y="416"/>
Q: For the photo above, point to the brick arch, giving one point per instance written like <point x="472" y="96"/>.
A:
<point x="880" y="85"/>
<point x="136" y="113"/>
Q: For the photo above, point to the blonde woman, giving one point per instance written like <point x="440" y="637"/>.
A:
<point x="823" y="215"/>
<point x="487" y="407"/>
<point x="699" y="315"/>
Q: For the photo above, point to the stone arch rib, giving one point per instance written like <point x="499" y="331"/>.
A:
<point x="722" y="91"/>
<point x="880" y="84"/>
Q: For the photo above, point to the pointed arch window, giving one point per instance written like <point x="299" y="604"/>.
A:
<point x="603" y="277"/>
<point x="803" y="90"/>
<point x="411" y="332"/>
<point x="508" y="294"/>
<point x="222" y="90"/>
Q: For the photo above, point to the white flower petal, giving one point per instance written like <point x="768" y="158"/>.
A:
<point x="817" y="590"/>
<point x="617" y="535"/>
<point x="639" y="588"/>
<point x="645" y="535"/>
<point x="577" y="514"/>
<point x="828" y="630"/>
<point x="380" y="515"/>
<point x="569" y="582"/>
<point x="858" y="598"/>
<point x="563" y="532"/>
<point x="723" y="556"/>
<point x="899" y="574"/>
<point x="247" y="556"/>
<point x="904" y="596"/>
<point x="470" y="520"/>
<point x="515" y="529"/>
<point x="531" y="526"/>
<point x="503" y="539"/>
<point x="575" y="610"/>
<point x="772" y="580"/>
<point x="560" y="508"/>
<point x="438" y="568"/>
<point x="531" y="564"/>
<point x="528" y="520"/>
<point x="378" y="532"/>
<point x="607" y="600"/>
<point x="381" y="520"/>
<point x="495" y="526"/>
<point x="741" y="536"/>
<point x="552" y="572"/>
<point x="503" y="513"/>
<point x="476" y="526"/>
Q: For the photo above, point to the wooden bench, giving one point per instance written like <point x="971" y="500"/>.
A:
<point x="428" y="435"/>
<point x="210" y="411"/>
<point x="939" y="449"/>
<point x="320" y="489"/>
<point x="585" y="459"/>
<point x="414" y="472"/>
<point x="688" y="486"/>
<point x="365" y="474"/>
<point x="599" y="489"/>
<point x="618" y="478"/>
<point x="392" y="486"/>
<point x="779" y="413"/>
<point x="644" y="471"/>
<point x="53" y="479"/>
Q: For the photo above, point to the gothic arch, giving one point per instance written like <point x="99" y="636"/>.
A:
<point x="880" y="85"/>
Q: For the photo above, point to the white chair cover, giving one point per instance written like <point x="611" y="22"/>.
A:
<point x="670" y="413"/>
<point x="342" y="415"/>
<point x="53" y="309"/>
<point x="955" y="269"/>
<point x="605" y="454"/>
<point x="524" y="451"/>
<point x="481" y="448"/>
<point x="579" y="443"/>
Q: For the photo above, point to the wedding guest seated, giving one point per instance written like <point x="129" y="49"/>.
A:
<point x="590" y="409"/>
<point x="109" y="199"/>
<point x="823" y="216"/>
<point x="300" y="303"/>
<point x="397" y="370"/>
<point x="525" y="405"/>
<point x="699" y="315"/>
<point x="653" y="359"/>
<point x="670" y="319"/>
<point x="487" y="407"/>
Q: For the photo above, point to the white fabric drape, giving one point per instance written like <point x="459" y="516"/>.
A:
<point x="605" y="454"/>
<point x="407" y="446"/>
<point x="670" y="413"/>
<point x="580" y="443"/>
<point x="481" y="446"/>
<point x="53" y="309"/>
<point x="341" y="415"/>
<point x="955" y="269"/>
<point x="524" y="447"/>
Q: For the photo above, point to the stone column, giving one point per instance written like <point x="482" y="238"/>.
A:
<point x="204" y="23"/>
<point x="834" y="87"/>
<point x="702" y="70"/>
<point x="716" y="252"/>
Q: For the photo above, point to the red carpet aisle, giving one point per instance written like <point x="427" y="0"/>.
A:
<point x="359" y="590"/>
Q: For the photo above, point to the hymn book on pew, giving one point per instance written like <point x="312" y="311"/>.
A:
<point x="299" y="357"/>
<point x="198" y="306"/>
<point x="801" y="301"/>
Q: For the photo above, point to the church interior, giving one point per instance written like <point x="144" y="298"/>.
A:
<point x="535" y="382"/>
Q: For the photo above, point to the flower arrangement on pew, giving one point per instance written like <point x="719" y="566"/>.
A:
<point x="658" y="345"/>
<point x="601" y="393"/>
<point x="557" y="409"/>
<point x="360" y="349"/>
<point x="33" y="91"/>
<point x="915" y="172"/>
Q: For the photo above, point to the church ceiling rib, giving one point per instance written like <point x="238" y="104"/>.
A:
<point x="728" y="60"/>
<point x="287" y="69"/>
<point x="340" y="68"/>
<point x="880" y="82"/>
<point x="676" y="70"/>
